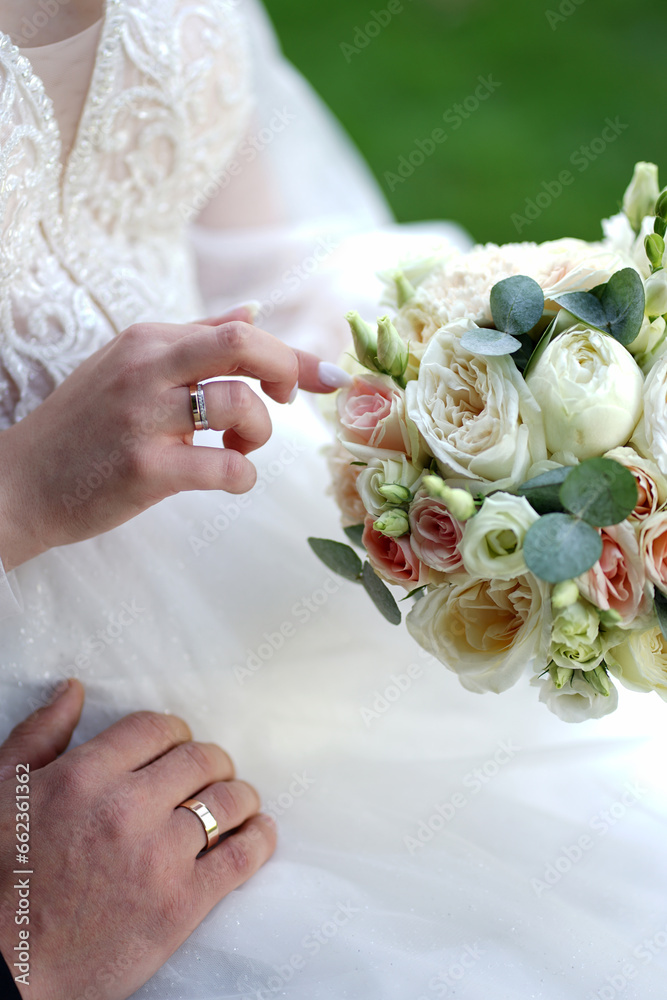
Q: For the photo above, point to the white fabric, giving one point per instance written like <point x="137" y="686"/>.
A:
<point x="213" y="607"/>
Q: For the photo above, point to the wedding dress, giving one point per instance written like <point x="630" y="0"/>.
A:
<point x="432" y="842"/>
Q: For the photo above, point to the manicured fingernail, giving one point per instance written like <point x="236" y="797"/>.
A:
<point x="253" y="307"/>
<point x="58" y="691"/>
<point x="294" y="393"/>
<point x="332" y="375"/>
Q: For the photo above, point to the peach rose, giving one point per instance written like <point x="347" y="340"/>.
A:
<point x="435" y="535"/>
<point x="393" y="558"/>
<point x="343" y="487"/>
<point x="653" y="548"/>
<point x="372" y="417"/>
<point x="651" y="484"/>
<point x="618" y="581"/>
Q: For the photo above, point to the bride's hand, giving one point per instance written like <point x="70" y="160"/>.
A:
<point x="116" y="436"/>
<point x="116" y="885"/>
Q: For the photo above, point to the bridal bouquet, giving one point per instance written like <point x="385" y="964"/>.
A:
<point x="502" y="456"/>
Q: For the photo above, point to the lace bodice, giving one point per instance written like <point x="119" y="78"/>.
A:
<point x="92" y="245"/>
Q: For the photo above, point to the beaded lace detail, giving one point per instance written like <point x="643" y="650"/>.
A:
<point x="89" y="247"/>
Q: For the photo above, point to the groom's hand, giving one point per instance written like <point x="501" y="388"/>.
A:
<point x="112" y="884"/>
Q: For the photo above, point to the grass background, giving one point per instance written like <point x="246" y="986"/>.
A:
<point x="561" y="76"/>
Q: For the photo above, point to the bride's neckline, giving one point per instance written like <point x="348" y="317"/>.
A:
<point x="34" y="49"/>
<point x="99" y="83"/>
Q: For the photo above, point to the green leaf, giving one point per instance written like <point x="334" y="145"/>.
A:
<point x="418" y="592"/>
<point x="525" y="352"/>
<point x="560" y="547"/>
<point x="600" y="491"/>
<point x="339" y="558"/>
<point x="517" y="304"/>
<point x="380" y="595"/>
<point x="354" y="533"/>
<point x="616" y="308"/>
<point x="490" y="342"/>
<point x="661" y="611"/>
<point x="543" y="492"/>
<point x="541" y="347"/>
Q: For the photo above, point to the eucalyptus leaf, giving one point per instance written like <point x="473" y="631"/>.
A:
<point x="354" y="533"/>
<point x="380" y="595"/>
<point x="543" y="492"/>
<point x="560" y="547"/>
<point x="600" y="491"/>
<point x="541" y="347"/>
<point x="517" y="304"/>
<point x="417" y="593"/>
<point x="661" y="611"/>
<point x="525" y="352"/>
<point x="490" y="342"/>
<point x="616" y="308"/>
<point x="337" y="557"/>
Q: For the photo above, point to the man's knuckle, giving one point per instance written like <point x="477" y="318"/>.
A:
<point x="197" y="756"/>
<point x="239" y="858"/>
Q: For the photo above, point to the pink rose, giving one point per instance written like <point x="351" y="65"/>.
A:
<point x="618" y="581"/>
<point x="371" y="412"/>
<point x="653" y="548"/>
<point x="344" y="477"/>
<point x="393" y="558"/>
<point x="651" y="484"/>
<point x="435" y="535"/>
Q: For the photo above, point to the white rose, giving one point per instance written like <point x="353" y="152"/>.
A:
<point x="656" y="294"/>
<point x="344" y="477"/>
<point x="650" y="344"/>
<point x="576" y="701"/>
<point x="492" y="544"/>
<point x="651" y="436"/>
<point x="589" y="388"/>
<point x="476" y="414"/>
<point x="380" y="473"/>
<point x="640" y="663"/>
<point x="486" y="631"/>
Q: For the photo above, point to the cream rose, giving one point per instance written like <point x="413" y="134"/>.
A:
<point x="589" y="388"/>
<point x="492" y="545"/>
<point x="653" y="429"/>
<point x="476" y="414"/>
<point x="486" y="631"/>
<point x="640" y="663"/>
<point x="383" y="473"/>
<point x="576" y="701"/>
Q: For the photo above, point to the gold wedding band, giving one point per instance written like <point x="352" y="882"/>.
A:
<point x="198" y="407"/>
<point x="207" y="818"/>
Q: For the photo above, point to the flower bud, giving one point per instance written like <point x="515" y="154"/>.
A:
<point x="560" y="675"/>
<point x="459" y="503"/>
<point x="564" y="594"/>
<point x="643" y="192"/>
<point x="395" y="493"/>
<point x="610" y="618"/>
<point x="660" y="227"/>
<point x="661" y="206"/>
<point x="365" y="340"/>
<point x="655" y="248"/>
<point x="393" y="523"/>
<point x="598" y="680"/>
<point x="656" y="294"/>
<point x="405" y="290"/>
<point x="392" y="351"/>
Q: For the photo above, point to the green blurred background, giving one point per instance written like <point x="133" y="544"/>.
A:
<point x="563" y="69"/>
